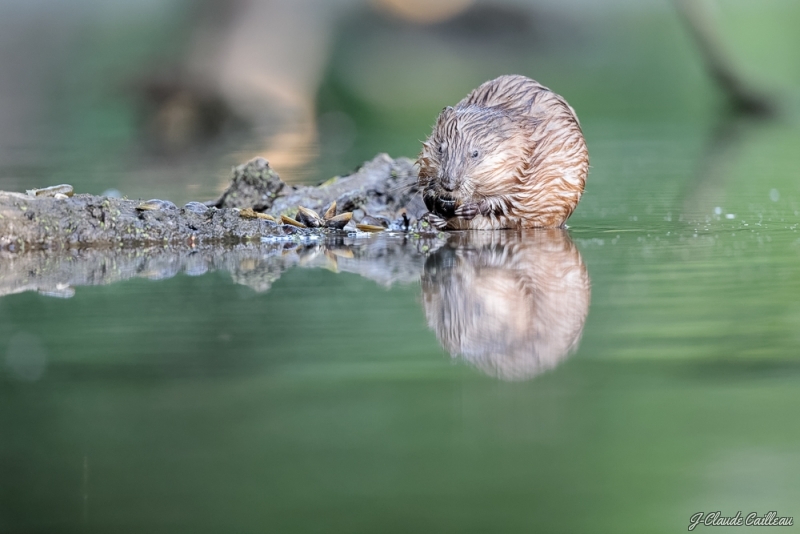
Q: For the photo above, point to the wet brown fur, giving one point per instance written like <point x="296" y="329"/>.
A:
<point x="514" y="306"/>
<point x="512" y="151"/>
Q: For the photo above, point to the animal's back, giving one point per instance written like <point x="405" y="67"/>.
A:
<point x="556" y="171"/>
<point x="518" y="94"/>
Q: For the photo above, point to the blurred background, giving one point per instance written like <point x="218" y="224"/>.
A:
<point x="160" y="98"/>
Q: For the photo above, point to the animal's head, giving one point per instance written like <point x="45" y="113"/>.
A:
<point x="470" y="148"/>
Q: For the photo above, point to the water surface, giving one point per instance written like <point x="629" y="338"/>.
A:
<point x="616" y="377"/>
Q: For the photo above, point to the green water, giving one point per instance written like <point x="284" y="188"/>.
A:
<point x="331" y="403"/>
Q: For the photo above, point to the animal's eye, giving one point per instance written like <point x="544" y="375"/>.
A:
<point x="474" y="153"/>
<point x="441" y="149"/>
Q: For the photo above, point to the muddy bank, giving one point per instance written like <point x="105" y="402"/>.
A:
<point x="382" y="191"/>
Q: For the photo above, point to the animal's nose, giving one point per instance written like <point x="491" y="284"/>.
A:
<point x="448" y="185"/>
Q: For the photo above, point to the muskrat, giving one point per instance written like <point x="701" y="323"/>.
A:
<point x="511" y="154"/>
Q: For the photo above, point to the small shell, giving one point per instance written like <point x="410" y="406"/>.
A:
<point x="340" y="221"/>
<point x="249" y="213"/>
<point x="60" y="196"/>
<point x="308" y="217"/>
<point x="330" y="213"/>
<point x="155" y="204"/>
<point x="292" y="222"/>
<point x="370" y="228"/>
<point x="53" y="190"/>
<point x="375" y="221"/>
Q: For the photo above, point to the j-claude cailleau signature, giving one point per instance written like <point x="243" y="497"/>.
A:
<point x="716" y="519"/>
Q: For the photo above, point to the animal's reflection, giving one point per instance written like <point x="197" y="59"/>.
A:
<point x="513" y="305"/>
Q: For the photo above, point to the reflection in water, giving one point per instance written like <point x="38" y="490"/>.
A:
<point x="706" y="192"/>
<point x="386" y="260"/>
<point x="513" y="307"/>
<point x="512" y="304"/>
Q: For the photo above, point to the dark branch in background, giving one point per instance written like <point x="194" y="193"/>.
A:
<point x="741" y="95"/>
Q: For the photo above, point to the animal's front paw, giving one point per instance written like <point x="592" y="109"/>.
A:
<point x="467" y="211"/>
<point x="438" y="222"/>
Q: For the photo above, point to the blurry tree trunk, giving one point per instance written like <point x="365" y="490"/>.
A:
<point x="267" y="59"/>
